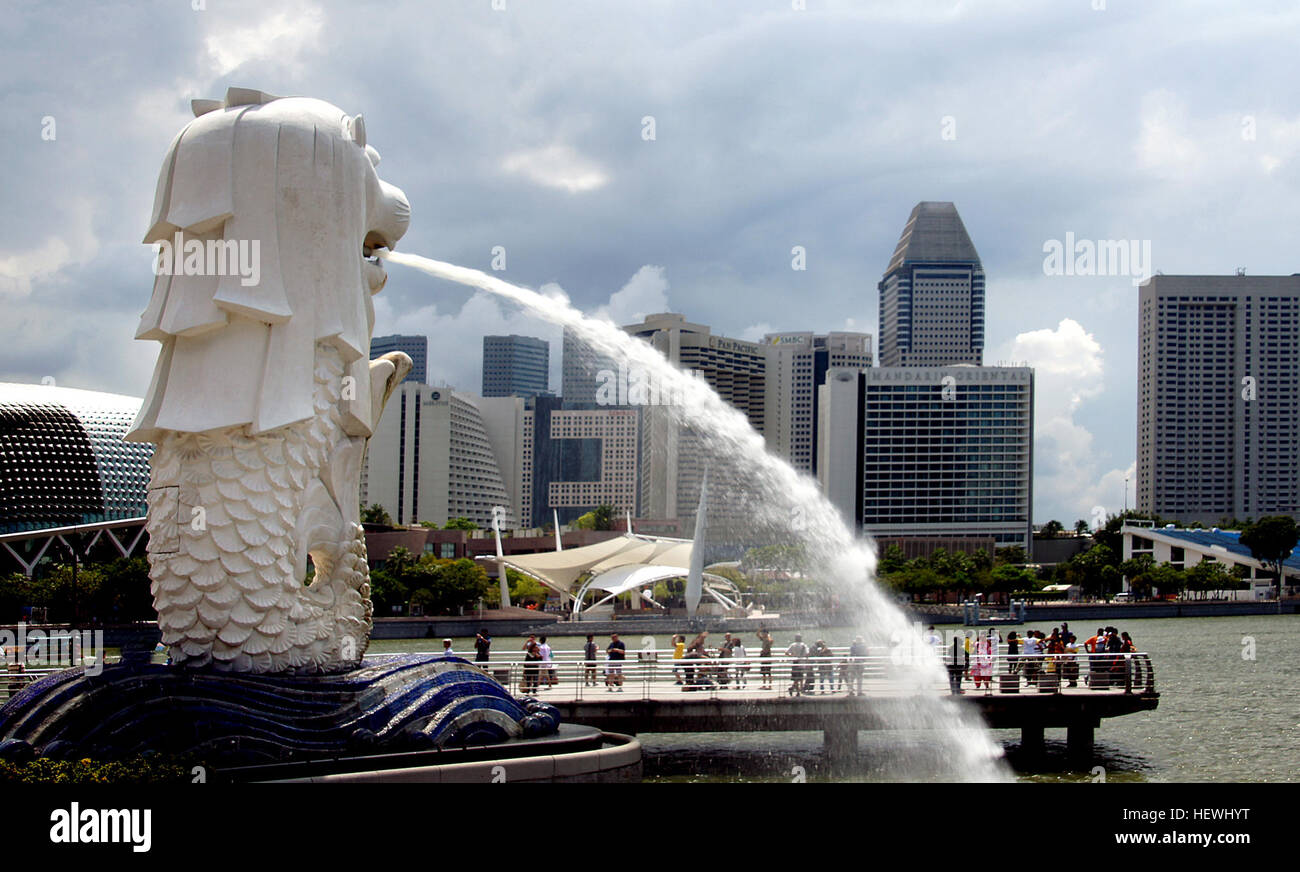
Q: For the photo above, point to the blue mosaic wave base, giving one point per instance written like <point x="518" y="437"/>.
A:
<point x="406" y="703"/>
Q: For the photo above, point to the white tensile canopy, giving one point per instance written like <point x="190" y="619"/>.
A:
<point x="615" y="566"/>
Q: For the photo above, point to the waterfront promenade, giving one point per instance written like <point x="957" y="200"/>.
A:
<point x="1071" y="692"/>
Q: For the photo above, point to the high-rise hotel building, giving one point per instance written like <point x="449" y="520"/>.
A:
<point x="932" y="293"/>
<point x="931" y="451"/>
<point x="516" y="366"/>
<point x="797" y="364"/>
<point x="439" y="454"/>
<point x="1218" y="416"/>
<point x="673" y="455"/>
<point x="417" y="347"/>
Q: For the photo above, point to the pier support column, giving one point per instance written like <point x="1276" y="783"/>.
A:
<point x="1078" y="740"/>
<point x="840" y="742"/>
<point x="1031" y="740"/>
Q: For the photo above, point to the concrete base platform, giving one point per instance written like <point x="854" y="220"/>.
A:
<point x="575" y="754"/>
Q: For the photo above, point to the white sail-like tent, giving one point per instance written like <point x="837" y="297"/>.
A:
<point x="616" y="566"/>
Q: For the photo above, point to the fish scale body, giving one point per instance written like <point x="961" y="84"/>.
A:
<point x="223" y="577"/>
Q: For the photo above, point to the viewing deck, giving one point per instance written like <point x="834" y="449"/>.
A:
<point x="652" y="693"/>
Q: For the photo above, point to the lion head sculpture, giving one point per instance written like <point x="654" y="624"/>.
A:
<point x="293" y="181"/>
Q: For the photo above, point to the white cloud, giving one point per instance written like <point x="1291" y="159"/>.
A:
<point x="1068" y="364"/>
<point x="646" y="293"/>
<point x="557" y="166"/>
<point x="282" y="36"/>
<point x="79" y="244"/>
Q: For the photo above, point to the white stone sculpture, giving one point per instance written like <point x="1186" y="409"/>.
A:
<point x="263" y="397"/>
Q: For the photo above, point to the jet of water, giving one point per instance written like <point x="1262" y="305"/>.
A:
<point x="779" y="497"/>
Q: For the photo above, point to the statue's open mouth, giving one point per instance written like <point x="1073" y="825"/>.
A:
<point x="373" y="267"/>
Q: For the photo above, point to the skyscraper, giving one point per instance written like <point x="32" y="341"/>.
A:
<point x="932" y="293"/>
<point x="1218" y="429"/>
<point x="515" y="366"/>
<point x="438" y="454"/>
<point x="673" y="455"/>
<point x="580" y="369"/>
<point x="797" y="364"/>
<point x="941" y="452"/>
<point x="415" y="346"/>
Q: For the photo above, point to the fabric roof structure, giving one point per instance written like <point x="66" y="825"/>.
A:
<point x="560" y="570"/>
<point x="615" y="566"/>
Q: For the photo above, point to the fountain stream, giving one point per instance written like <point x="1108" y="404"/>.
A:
<point x="779" y="498"/>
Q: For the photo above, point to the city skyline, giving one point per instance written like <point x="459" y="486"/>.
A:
<point x="1049" y="124"/>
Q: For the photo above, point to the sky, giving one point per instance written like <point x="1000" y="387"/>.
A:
<point x="654" y="156"/>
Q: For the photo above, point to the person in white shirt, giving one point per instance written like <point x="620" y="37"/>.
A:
<point x="798" y="650"/>
<point x="738" y="651"/>
<point x="548" y="666"/>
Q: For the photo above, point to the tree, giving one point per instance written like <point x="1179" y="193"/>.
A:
<point x="460" y="524"/>
<point x="891" y="561"/>
<point x="603" y="517"/>
<point x="1053" y="529"/>
<point x="1009" y="579"/>
<point x="1081" y="527"/>
<point x="1167" y="579"/>
<point x="1271" y="541"/>
<point x="388" y="595"/>
<point x="1013" y="555"/>
<point x="399" y="560"/>
<point x="1210" y="575"/>
<point x="375" y="514"/>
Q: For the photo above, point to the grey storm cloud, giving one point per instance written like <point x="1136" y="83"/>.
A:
<point x="1173" y="122"/>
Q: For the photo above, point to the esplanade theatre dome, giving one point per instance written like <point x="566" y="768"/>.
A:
<point x="63" y="461"/>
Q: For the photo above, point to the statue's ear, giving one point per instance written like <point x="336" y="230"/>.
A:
<point x="357" y="130"/>
<point x="203" y="107"/>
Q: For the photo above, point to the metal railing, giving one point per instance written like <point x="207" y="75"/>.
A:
<point x="653" y="673"/>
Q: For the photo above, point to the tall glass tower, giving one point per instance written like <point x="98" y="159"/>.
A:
<point x="932" y="294"/>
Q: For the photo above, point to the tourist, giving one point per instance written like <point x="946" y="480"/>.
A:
<point x="765" y="653"/>
<point x="983" y="669"/>
<point x="967" y="644"/>
<point x="616" y="653"/>
<point x="1013" y="652"/>
<point x="1096" y="645"/>
<point x="856" y="665"/>
<point x="1117" y="666"/>
<point x="724" y="653"/>
<point x="825" y="669"/>
<point x="446" y="648"/>
<point x="933" y="639"/>
<point x="589" y="652"/>
<point x="738" y="653"/>
<point x="679" y="651"/>
<point x="1070" y="663"/>
<point x="798" y="650"/>
<point x="532" y="660"/>
<point x="482" y="646"/>
<point x="1127" y="645"/>
<point x="1032" y="660"/>
<point x="548" y="664"/>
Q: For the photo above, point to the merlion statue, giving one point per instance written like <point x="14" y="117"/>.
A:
<point x="263" y="397"/>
